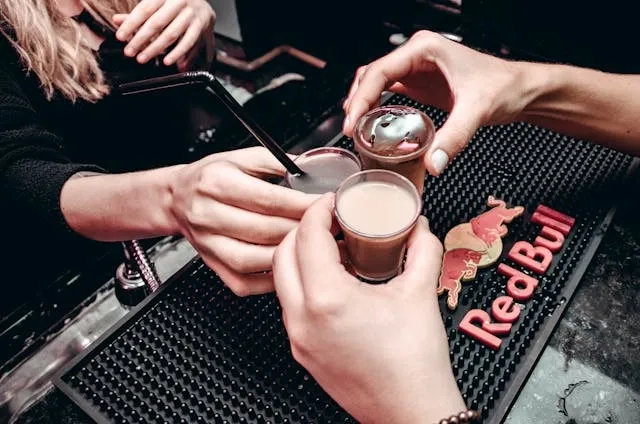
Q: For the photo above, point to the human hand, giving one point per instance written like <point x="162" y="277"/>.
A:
<point x="234" y="219"/>
<point x="380" y="351"/>
<point x="478" y="89"/>
<point x="153" y="26"/>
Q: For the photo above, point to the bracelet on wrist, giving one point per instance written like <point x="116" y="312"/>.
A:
<point x="464" y="417"/>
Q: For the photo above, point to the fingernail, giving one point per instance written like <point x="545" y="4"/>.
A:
<point x="142" y="58"/>
<point x="121" y="35"/>
<point x="424" y="221"/>
<point x="128" y="51"/>
<point x="439" y="160"/>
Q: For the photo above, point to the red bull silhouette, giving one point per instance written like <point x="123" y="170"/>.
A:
<point x="472" y="245"/>
<point x="489" y="226"/>
<point x="457" y="265"/>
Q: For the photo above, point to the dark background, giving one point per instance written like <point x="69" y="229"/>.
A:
<point x="597" y="34"/>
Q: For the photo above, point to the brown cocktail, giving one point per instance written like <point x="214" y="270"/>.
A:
<point x="395" y="138"/>
<point x="377" y="209"/>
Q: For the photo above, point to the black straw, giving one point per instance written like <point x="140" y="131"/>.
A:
<point x="212" y="84"/>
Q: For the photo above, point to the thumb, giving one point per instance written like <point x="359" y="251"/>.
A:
<point x="424" y="256"/>
<point x="462" y="123"/>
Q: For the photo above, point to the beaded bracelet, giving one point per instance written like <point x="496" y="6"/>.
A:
<point x="464" y="417"/>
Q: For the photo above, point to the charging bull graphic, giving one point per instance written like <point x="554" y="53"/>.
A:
<point x="472" y="245"/>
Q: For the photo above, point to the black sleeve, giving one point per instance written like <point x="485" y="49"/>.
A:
<point x="33" y="166"/>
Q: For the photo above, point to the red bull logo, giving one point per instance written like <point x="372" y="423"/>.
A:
<point x="472" y="245"/>
<point x="477" y="244"/>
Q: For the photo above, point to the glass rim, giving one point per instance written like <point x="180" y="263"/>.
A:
<point x="405" y="180"/>
<point x="362" y="148"/>
<point x="317" y="151"/>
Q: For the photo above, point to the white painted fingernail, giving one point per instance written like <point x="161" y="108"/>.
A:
<point x="440" y="160"/>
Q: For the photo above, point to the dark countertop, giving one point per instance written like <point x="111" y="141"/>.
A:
<point x="590" y="371"/>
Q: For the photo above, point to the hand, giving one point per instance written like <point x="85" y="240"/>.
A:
<point x="380" y="351"/>
<point x="234" y="219"/>
<point x="155" y="25"/>
<point x="478" y="89"/>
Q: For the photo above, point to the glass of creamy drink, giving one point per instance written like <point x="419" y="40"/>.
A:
<point x="376" y="210"/>
<point x="325" y="168"/>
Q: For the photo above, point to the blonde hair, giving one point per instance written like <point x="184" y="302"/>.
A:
<point x="51" y="45"/>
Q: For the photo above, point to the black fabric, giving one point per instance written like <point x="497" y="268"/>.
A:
<point x="85" y="18"/>
<point x="43" y="142"/>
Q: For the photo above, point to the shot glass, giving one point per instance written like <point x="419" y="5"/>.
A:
<point x="325" y="169"/>
<point x="376" y="210"/>
<point x="395" y="138"/>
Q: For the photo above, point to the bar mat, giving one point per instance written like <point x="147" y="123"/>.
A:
<point x="195" y="353"/>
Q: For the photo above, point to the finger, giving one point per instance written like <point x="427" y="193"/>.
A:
<point x="376" y="78"/>
<point x="257" y="161"/>
<point x="168" y="36"/>
<point x="424" y="256"/>
<point x="248" y="226"/>
<point x="119" y="18"/>
<point x="286" y="275"/>
<point x="400" y="88"/>
<point x="186" y="43"/>
<point x="454" y="135"/>
<point x="317" y="251"/>
<point x="137" y="17"/>
<point x="354" y="86"/>
<point x="347" y="103"/>
<point x="228" y="184"/>
<point x="381" y="75"/>
<point x="185" y="63"/>
<point x="241" y="284"/>
<point x="241" y="257"/>
<point x="152" y="27"/>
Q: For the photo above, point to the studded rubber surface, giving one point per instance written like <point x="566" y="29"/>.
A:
<point x="195" y="353"/>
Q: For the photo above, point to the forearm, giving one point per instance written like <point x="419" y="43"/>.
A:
<point x="587" y="104"/>
<point x="120" y="207"/>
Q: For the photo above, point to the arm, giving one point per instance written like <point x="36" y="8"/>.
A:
<point x="230" y="215"/>
<point x="389" y="366"/>
<point x="120" y="207"/>
<point x="585" y="103"/>
<point x="44" y="189"/>
<point x="478" y="89"/>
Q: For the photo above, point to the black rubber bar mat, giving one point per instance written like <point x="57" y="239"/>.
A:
<point x="193" y="352"/>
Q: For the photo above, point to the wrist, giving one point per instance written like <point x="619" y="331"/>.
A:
<point x="168" y="188"/>
<point x="434" y="400"/>
<point x="541" y="82"/>
<point x="115" y="207"/>
<point x="447" y="402"/>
